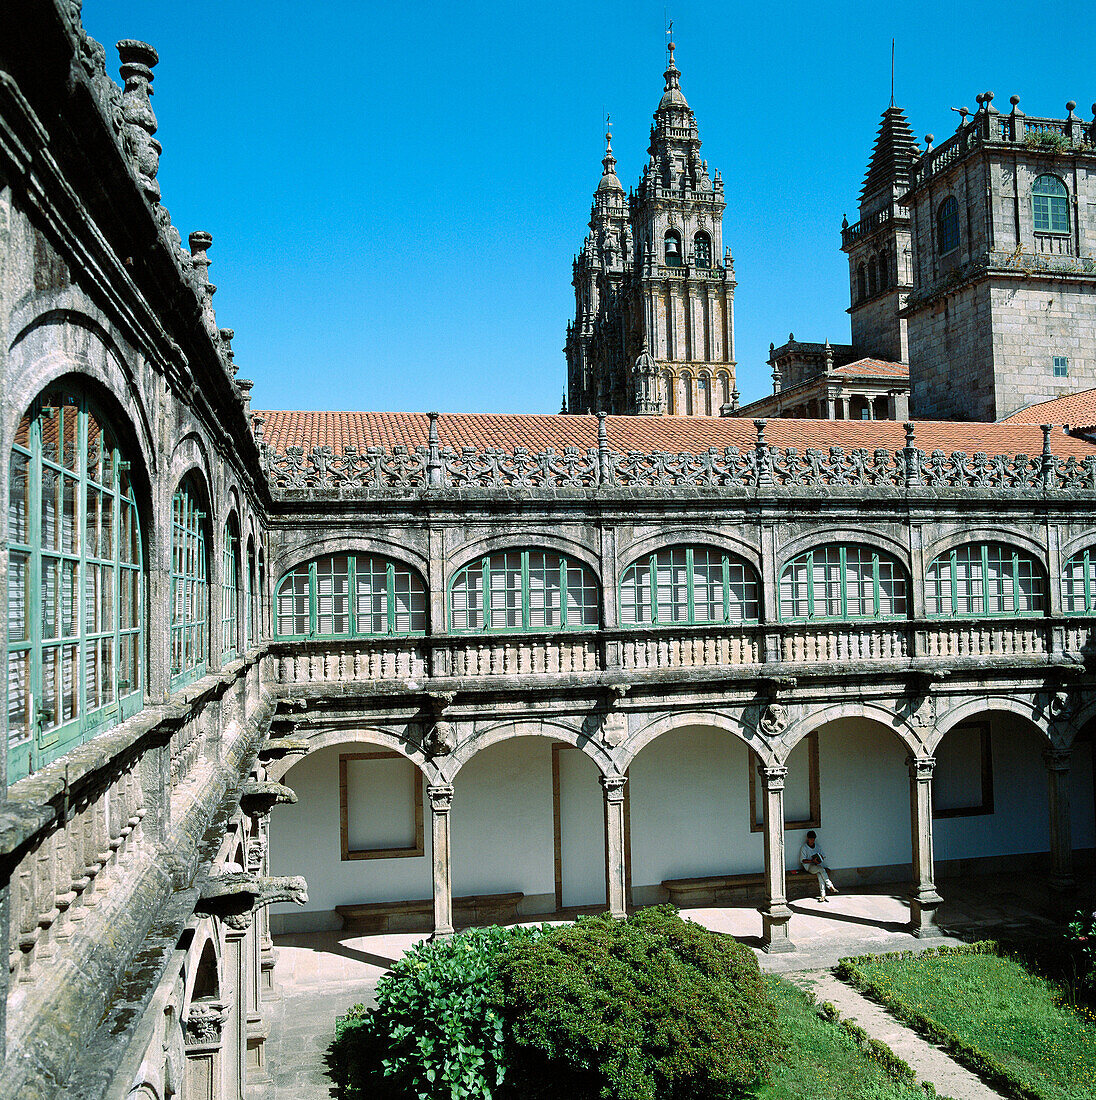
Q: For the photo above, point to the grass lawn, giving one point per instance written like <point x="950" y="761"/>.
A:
<point x="994" y="1005"/>
<point x="822" y="1061"/>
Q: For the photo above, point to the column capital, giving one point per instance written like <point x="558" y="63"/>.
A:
<point x="773" y="776"/>
<point x="1057" y="759"/>
<point x="613" y="786"/>
<point x="441" y="798"/>
<point x="921" y="767"/>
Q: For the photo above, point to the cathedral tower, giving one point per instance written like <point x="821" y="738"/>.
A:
<point x="654" y="290"/>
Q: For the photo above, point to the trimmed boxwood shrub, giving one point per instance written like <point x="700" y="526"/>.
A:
<point x="652" y="1008"/>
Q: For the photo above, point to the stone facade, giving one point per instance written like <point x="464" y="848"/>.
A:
<point x="989" y="316"/>
<point x="653" y="331"/>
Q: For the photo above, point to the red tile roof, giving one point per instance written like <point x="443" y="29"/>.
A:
<point x="874" y="368"/>
<point x="338" y="430"/>
<point x="1078" y="410"/>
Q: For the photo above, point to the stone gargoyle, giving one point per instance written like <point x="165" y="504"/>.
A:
<point x="259" y="797"/>
<point x="234" y="897"/>
<point x="277" y="748"/>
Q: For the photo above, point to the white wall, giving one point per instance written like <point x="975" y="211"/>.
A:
<point x="582" y="829"/>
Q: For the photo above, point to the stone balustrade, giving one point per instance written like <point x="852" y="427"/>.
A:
<point x="695" y="649"/>
<point x="832" y="642"/>
<point x="988" y="638"/>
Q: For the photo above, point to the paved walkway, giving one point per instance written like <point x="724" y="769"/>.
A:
<point x="928" y="1062"/>
<point x="321" y="974"/>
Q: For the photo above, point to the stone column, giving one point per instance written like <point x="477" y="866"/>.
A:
<point x="1061" y="841"/>
<point x="845" y="410"/>
<point x="441" y="801"/>
<point x="233" y="1048"/>
<point x="615" y="877"/>
<point x="923" y="898"/>
<point x="775" y="914"/>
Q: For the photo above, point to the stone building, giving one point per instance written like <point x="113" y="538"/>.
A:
<point x="653" y="331"/>
<point x="1002" y="313"/>
<point x="501" y="664"/>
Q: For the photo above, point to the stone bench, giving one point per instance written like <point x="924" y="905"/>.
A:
<point x="375" y="917"/>
<point x="689" y="893"/>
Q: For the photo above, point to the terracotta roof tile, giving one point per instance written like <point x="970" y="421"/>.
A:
<point x="1078" y="410"/>
<point x="875" y="368"/>
<point x="338" y="430"/>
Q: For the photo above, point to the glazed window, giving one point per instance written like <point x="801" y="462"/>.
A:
<point x="1079" y="584"/>
<point x="75" y="582"/>
<point x="702" y="250"/>
<point x="189" y="584"/>
<point x="1050" y="205"/>
<point x="984" y="578"/>
<point x="535" y="590"/>
<point x="689" y="585"/>
<point x="1061" y="366"/>
<point x="350" y="595"/>
<point x="947" y="225"/>
<point x="230" y="590"/>
<point x="843" y="582"/>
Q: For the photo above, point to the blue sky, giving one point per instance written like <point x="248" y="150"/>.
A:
<point x="396" y="191"/>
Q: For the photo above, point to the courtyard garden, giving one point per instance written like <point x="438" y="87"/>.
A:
<point x="652" y="1008"/>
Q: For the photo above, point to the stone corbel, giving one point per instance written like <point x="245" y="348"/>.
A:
<point x="921" y="702"/>
<point x="773" y="717"/>
<point x="259" y="797"/>
<point x="203" y="1024"/>
<point x="234" y="897"/>
<point x="609" y="723"/>
<point x="439" y="738"/>
<point x="277" y="748"/>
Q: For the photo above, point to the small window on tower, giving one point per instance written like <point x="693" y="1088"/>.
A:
<point x="861" y="283"/>
<point x="702" y="250"/>
<point x="947" y="225"/>
<point x="1050" y="205"/>
<point x="1061" y="366"/>
<point x="673" y="248"/>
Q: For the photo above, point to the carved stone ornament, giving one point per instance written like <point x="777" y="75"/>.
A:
<point x="773" y="776"/>
<point x="234" y="897"/>
<point x="441" y="798"/>
<point x="613" y="785"/>
<point x="923" y="714"/>
<point x="774" y="720"/>
<point x="203" y="1024"/>
<point x="258" y="798"/>
<point x="1061" y="705"/>
<point x="921" y="767"/>
<point x="441" y="737"/>
<point x="256" y="851"/>
<point x="614" y="728"/>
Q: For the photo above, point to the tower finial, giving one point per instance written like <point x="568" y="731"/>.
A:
<point x="892" y="73"/>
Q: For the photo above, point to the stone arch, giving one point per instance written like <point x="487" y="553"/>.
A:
<point x="553" y="729"/>
<point x="1025" y="708"/>
<point x="362" y="735"/>
<point x="1007" y="535"/>
<point x="1085" y="541"/>
<point x="829" y="536"/>
<point x="289" y="557"/>
<point x="873" y="712"/>
<point x="665" y="537"/>
<point x="190" y="456"/>
<point x="204" y="978"/>
<point x="532" y="540"/>
<point x="639" y="739"/>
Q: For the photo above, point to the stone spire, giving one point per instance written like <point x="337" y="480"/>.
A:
<point x="892" y="156"/>
<point x="609" y="181"/>
<point x="675" y="144"/>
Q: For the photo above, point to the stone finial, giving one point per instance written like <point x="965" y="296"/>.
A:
<point x="200" y="244"/>
<point x="1071" y="106"/>
<point x="1015" y="101"/>
<point x="244" y="385"/>
<point x="844" y="221"/>
<point x="137" y="61"/>
<point x="791" y="337"/>
<point x="979" y="99"/>
<point x="226" y="336"/>
<point x="987" y="99"/>
<point x="928" y="142"/>
<point x="909" y="433"/>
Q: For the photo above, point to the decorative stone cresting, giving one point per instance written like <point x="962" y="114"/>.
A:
<point x="234" y="897"/>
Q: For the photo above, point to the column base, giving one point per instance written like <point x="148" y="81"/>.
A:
<point x="923" y="916"/>
<point x="442" y="933"/>
<point x="774" y="929"/>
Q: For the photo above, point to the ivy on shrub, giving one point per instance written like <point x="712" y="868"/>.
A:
<point x="652" y="1008"/>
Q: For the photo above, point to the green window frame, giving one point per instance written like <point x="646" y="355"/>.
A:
<point x="250" y="634"/>
<point x="689" y="585"/>
<point x="189" y="585"/>
<point x="984" y="579"/>
<point x="75" y="582"/>
<point x="843" y="582"/>
<point x="350" y="596"/>
<point x="523" y="590"/>
<point x="1050" y="205"/>
<point x="947" y="225"/>
<point x="230" y="592"/>
<point x="1079" y="584"/>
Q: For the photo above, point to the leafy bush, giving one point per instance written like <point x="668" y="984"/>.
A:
<point x="1049" y="141"/>
<point x="435" y="1032"/>
<point x="653" y="1008"/>
<point x="1081" y="937"/>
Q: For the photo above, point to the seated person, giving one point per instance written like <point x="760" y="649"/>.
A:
<point x="813" y="860"/>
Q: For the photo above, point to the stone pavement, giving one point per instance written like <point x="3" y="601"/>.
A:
<point x="321" y="974"/>
<point x="928" y="1062"/>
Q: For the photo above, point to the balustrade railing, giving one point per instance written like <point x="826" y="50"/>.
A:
<point x="837" y="642"/>
<point x="361" y="660"/>
<point x="988" y="638"/>
<point x="696" y="649"/>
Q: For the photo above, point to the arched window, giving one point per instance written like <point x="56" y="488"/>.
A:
<point x="689" y="584"/>
<point x="873" y="286"/>
<point x="230" y="590"/>
<point x="672" y="246"/>
<point x="724" y="382"/>
<point x="75" y="583"/>
<point x="668" y="392"/>
<point x="984" y="578"/>
<point x="1050" y="205"/>
<point x="1079" y="584"/>
<point x="947" y="225"/>
<point x="250" y="632"/>
<point x="350" y="595"/>
<point x="861" y="283"/>
<point x="685" y="405"/>
<point x="704" y="394"/>
<point x="189" y="583"/>
<point x="702" y="250"/>
<point x="883" y="284"/>
<point x="843" y="582"/>
<point x="523" y="590"/>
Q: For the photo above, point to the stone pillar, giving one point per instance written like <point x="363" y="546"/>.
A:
<point x="233" y="1048"/>
<point x="775" y="914"/>
<point x="923" y="898"/>
<point x="441" y="801"/>
<point x="845" y="410"/>
<point x="1061" y="841"/>
<point x="615" y="878"/>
